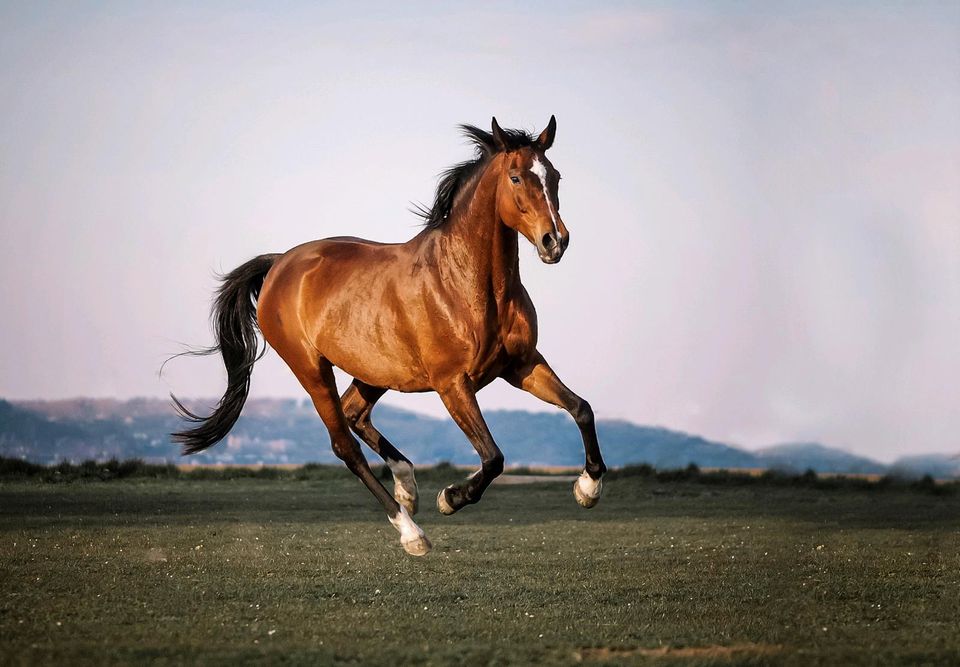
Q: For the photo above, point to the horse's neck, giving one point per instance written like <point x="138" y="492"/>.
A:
<point x="482" y="249"/>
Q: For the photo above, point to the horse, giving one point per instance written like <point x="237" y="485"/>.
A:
<point x="445" y="312"/>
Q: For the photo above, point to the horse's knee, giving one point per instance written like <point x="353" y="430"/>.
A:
<point x="581" y="412"/>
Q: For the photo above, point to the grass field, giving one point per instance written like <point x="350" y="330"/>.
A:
<point x="310" y="572"/>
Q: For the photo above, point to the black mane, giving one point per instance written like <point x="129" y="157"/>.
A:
<point x="453" y="179"/>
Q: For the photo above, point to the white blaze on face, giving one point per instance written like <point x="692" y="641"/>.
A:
<point x="540" y="171"/>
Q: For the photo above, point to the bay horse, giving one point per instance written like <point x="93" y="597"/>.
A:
<point x="443" y="312"/>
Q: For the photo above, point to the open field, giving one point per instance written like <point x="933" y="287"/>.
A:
<point x="309" y="571"/>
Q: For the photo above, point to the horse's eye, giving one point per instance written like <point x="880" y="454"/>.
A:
<point x="515" y="180"/>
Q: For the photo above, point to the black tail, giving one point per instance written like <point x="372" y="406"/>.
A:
<point x="235" y="330"/>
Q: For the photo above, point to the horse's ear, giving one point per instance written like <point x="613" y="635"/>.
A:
<point x="545" y="140"/>
<point x="499" y="136"/>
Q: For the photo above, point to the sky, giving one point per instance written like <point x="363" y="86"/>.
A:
<point x="763" y="197"/>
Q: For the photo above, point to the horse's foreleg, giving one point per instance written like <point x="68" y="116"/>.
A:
<point x="358" y="401"/>
<point x="537" y="378"/>
<point x="460" y="400"/>
<point x="323" y="390"/>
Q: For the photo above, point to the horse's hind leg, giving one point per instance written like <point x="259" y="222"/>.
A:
<point x="358" y="401"/>
<point x="322" y="388"/>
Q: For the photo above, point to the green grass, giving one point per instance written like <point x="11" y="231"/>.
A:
<point x="308" y="571"/>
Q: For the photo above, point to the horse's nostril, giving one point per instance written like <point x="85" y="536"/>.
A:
<point x="548" y="241"/>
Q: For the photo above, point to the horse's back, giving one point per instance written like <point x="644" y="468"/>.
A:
<point x="335" y="247"/>
<point x="338" y="255"/>
<point x="311" y="274"/>
<point x="346" y="296"/>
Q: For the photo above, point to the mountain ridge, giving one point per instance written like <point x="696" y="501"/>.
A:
<point x="287" y="430"/>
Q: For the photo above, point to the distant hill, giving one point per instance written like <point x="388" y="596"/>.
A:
<point x="20" y="424"/>
<point x="801" y="456"/>
<point x="936" y="465"/>
<point x="289" y="431"/>
<point x="663" y="448"/>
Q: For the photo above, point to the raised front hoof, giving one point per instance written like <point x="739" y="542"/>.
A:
<point x="443" y="504"/>
<point x="419" y="546"/>
<point x="587" y="490"/>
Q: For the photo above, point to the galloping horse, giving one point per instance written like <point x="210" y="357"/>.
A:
<point x="443" y="312"/>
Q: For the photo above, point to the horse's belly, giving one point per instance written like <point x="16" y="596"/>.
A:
<point x="391" y="369"/>
<point x="371" y="341"/>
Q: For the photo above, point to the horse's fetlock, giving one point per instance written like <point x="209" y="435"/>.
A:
<point x="596" y="470"/>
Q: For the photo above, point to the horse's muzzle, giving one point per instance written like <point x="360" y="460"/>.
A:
<point x="551" y="247"/>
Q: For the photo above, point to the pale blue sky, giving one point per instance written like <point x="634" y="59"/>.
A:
<point x="763" y="198"/>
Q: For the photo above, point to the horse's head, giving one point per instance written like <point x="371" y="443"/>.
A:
<point x="527" y="193"/>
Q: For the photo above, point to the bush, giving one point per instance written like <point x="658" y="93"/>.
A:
<point x="444" y="472"/>
<point x="632" y="470"/>
<point x="16" y="468"/>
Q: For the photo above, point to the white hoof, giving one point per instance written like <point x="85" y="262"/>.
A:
<point x="442" y="504"/>
<point x="405" y="485"/>
<point x="412" y="539"/>
<point x="418" y="547"/>
<point x="587" y="490"/>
